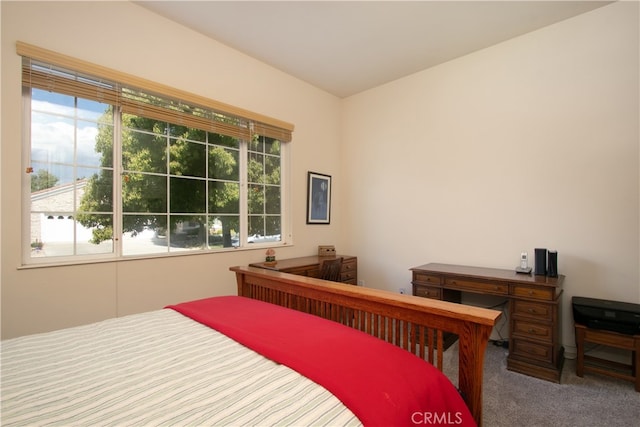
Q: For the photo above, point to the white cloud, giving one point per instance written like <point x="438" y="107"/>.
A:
<point x="56" y="139"/>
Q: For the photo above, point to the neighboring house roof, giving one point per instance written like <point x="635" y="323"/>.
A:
<point x="59" y="199"/>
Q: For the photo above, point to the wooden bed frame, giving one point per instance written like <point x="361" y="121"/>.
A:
<point x="412" y="323"/>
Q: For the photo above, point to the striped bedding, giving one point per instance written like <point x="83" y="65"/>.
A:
<point x="156" y="368"/>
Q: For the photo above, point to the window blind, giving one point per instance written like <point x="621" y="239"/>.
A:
<point x="52" y="71"/>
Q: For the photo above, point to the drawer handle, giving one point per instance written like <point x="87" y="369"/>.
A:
<point x="453" y="282"/>
<point x="532" y="310"/>
<point x="531" y="292"/>
<point x="496" y="288"/>
<point x="531" y="331"/>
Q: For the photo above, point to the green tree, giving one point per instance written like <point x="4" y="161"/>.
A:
<point x="151" y="149"/>
<point x="98" y="194"/>
<point x="42" y="180"/>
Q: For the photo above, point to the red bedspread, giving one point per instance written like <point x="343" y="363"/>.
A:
<point x="380" y="383"/>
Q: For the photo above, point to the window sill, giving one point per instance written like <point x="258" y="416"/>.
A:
<point x="70" y="262"/>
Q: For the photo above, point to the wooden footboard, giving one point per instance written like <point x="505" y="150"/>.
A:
<point x="413" y="323"/>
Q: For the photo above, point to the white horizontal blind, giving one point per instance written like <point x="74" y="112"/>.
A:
<point x="48" y="70"/>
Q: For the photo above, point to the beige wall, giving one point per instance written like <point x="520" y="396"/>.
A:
<point x="530" y="143"/>
<point x="126" y="37"/>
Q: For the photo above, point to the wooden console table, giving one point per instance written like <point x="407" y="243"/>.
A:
<point x="601" y="366"/>
<point x="310" y="266"/>
<point x="535" y="347"/>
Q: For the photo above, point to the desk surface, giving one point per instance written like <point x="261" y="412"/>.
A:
<point x="287" y="263"/>
<point x="311" y="265"/>
<point x="495" y="274"/>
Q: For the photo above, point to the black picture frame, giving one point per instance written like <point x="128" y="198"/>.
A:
<point x="318" y="198"/>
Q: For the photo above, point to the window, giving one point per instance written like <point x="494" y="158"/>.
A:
<point x="118" y="171"/>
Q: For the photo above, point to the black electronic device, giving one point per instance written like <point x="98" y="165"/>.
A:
<point x="552" y="264"/>
<point x="540" y="262"/>
<point x="615" y="316"/>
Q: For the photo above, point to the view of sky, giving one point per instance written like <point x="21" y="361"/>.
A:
<point x="62" y="132"/>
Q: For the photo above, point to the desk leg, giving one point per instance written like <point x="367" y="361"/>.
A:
<point x="580" y="350"/>
<point x="635" y="363"/>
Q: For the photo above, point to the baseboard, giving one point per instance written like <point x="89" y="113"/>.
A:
<point x="570" y="352"/>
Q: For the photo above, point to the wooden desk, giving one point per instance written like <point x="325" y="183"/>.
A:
<point x="310" y="266"/>
<point x="535" y="340"/>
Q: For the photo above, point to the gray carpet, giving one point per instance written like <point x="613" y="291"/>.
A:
<point x="513" y="400"/>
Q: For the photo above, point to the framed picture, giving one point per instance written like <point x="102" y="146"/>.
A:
<point x="318" y="198"/>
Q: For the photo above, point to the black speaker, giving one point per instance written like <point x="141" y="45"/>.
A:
<point x="552" y="264"/>
<point x="541" y="262"/>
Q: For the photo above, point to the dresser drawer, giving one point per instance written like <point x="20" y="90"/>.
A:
<point x="530" y="350"/>
<point x="532" y="310"/>
<point x="540" y="293"/>
<point x="350" y="266"/>
<point x="474" y="286"/>
<point x="349" y="272"/>
<point x="350" y="276"/>
<point x="533" y="330"/>
<point x="427" y="292"/>
<point x="427" y="279"/>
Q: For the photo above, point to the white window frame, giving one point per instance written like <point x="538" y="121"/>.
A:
<point x="117" y="252"/>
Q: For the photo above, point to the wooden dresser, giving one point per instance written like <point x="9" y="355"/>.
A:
<point x="310" y="266"/>
<point x="535" y="337"/>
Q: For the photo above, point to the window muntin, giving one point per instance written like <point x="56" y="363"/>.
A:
<point x="178" y="188"/>
<point x="63" y="133"/>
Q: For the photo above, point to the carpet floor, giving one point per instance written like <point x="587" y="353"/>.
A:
<point x="513" y="399"/>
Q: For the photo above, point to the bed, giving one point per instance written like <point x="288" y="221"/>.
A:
<point x="288" y="350"/>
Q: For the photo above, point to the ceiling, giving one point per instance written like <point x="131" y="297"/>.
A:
<point x="345" y="47"/>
